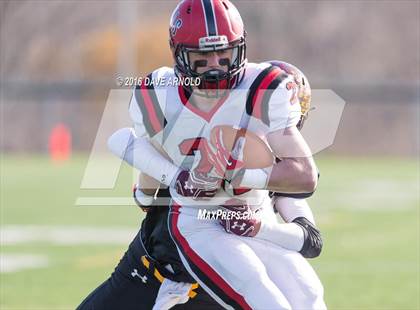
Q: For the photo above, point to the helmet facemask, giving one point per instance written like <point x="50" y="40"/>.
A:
<point x="214" y="83"/>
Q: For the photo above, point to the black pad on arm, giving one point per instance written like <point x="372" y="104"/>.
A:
<point x="312" y="245"/>
<point x="291" y="195"/>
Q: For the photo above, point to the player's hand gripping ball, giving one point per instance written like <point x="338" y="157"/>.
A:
<point x="240" y="220"/>
<point x="196" y="185"/>
<point x="237" y="149"/>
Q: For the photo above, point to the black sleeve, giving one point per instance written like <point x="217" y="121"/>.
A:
<point x="291" y="195"/>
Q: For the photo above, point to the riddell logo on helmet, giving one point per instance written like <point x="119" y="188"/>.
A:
<point x="214" y="40"/>
<point x="209" y="40"/>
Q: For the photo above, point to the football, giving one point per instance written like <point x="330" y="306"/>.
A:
<point x="256" y="153"/>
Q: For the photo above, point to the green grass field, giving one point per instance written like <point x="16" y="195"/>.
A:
<point x="368" y="211"/>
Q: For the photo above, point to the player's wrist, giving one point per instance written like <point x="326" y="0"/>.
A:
<point x="264" y="230"/>
<point x="253" y="178"/>
<point x="170" y="174"/>
<point x="195" y="184"/>
<point x="142" y="199"/>
<point x="176" y="176"/>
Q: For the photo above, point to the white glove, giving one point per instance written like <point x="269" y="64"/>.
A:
<point x="172" y="293"/>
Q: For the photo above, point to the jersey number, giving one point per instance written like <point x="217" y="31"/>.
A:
<point x="191" y="146"/>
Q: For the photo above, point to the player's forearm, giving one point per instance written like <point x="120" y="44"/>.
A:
<point x="298" y="211"/>
<point x="293" y="175"/>
<point x="147" y="184"/>
<point x="141" y="154"/>
<point x="292" y="208"/>
<point x="289" y="236"/>
<point x="301" y="236"/>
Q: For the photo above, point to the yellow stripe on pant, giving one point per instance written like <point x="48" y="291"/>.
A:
<point x="160" y="278"/>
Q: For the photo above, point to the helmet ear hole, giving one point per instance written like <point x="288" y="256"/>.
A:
<point x="225" y="5"/>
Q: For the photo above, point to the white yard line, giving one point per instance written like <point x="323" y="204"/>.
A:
<point x="104" y="201"/>
<point x="55" y="235"/>
<point x="65" y="235"/>
<point x="17" y="262"/>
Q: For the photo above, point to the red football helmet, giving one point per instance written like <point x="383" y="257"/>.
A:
<point x="199" y="26"/>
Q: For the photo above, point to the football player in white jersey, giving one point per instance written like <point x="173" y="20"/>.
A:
<point x="152" y="250"/>
<point x="173" y="124"/>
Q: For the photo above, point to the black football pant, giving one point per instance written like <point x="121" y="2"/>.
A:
<point x="133" y="286"/>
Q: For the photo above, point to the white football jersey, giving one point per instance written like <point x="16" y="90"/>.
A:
<point x="265" y="101"/>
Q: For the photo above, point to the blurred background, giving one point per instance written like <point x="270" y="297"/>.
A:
<point x="60" y="59"/>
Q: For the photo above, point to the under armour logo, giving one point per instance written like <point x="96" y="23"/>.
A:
<point x="136" y="274"/>
<point x="241" y="227"/>
<point x="189" y="186"/>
